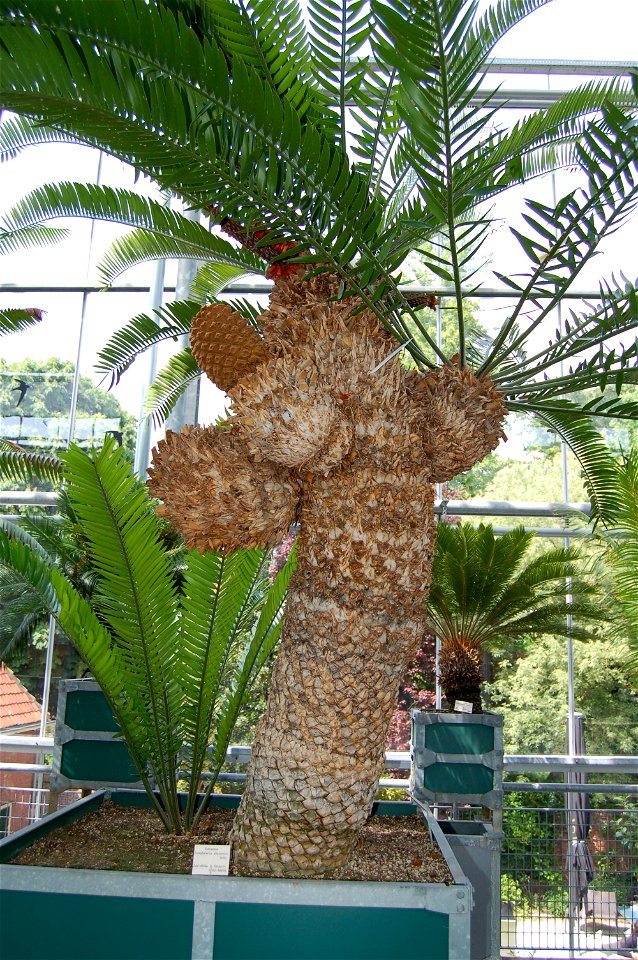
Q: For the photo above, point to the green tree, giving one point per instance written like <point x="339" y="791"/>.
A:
<point x="244" y="113"/>
<point x="532" y="693"/>
<point x="35" y="399"/>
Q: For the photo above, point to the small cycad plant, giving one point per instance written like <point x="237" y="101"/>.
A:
<point x="489" y="593"/>
<point x="174" y="655"/>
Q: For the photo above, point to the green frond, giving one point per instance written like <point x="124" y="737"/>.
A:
<point x="136" y="593"/>
<point x="22" y="466"/>
<point x="546" y="139"/>
<point x="170" y="322"/>
<point x="31" y="568"/>
<point x="144" y="245"/>
<point x="597" y="464"/>
<point x="219" y="592"/>
<point x="17" y="531"/>
<point x="566" y="235"/>
<point x="487" y="592"/>
<point x="19" y="626"/>
<point x="212" y="278"/>
<point x="12" y="320"/>
<point x="582" y="334"/>
<point x="233" y="145"/>
<point x="18" y="133"/>
<point x="253" y="617"/>
<point x="27" y="237"/>
<point x="169" y="385"/>
<point x="493" y="25"/>
<point x="377" y="135"/>
<point x="109" y="667"/>
<point x="618" y="530"/>
<point x="338" y="30"/>
<point x="161" y="232"/>
<point x="261" y="643"/>
<point x="281" y="57"/>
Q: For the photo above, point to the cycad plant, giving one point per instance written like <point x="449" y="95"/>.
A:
<point x="328" y="141"/>
<point x="488" y="595"/>
<point x="175" y="664"/>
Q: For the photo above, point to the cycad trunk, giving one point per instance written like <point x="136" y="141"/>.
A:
<point x="353" y="622"/>
<point x="460" y="674"/>
<point x="327" y="432"/>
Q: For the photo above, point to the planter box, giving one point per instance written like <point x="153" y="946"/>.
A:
<point x="457" y="758"/>
<point x="88" y="750"/>
<point x="477" y="847"/>
<point x="51" y="913"/>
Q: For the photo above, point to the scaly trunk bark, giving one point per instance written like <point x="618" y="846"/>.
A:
<point x="353" y="622"/>
<point x="460" y="675"/>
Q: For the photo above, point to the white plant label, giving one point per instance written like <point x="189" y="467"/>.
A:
<point x="462" y="706"/>
<point x="211" y="860"/>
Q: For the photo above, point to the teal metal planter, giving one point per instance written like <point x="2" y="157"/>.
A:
<point x="457" y="759"/>
<point x="89" y="751"/>
<point x="51" y="914"/>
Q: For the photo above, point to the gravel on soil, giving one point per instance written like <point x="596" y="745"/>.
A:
<point x="132" y="838"/>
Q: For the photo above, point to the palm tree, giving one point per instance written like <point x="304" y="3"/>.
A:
<point x="327" y="149"/>
<point x="488" y="594"/>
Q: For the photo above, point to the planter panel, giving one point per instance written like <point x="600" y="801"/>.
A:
<point x="88" y="751"/>
<point x="244" y="931"/>
<point x="62" y="926"/>
<point x="86" y="708"/>
<point x="457" y="758"/>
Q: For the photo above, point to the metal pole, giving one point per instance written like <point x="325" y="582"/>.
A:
<point x="438" y="693"/>
<point x="46" y="691"/>
<point x="571" y="835"/>
<point x="143" y="441"/>
<point x="187" y="407"/>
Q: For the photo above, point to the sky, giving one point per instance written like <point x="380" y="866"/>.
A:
<point x="564" y="29"/>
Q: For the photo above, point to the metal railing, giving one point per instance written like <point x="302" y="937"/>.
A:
<point x="21" y="806"/>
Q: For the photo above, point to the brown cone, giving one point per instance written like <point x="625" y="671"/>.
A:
<point x="216" y="496"/>
<point x="462" y="421"/>
<point x="224" y="345"/>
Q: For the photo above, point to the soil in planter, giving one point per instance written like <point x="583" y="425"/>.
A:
<point x="132" y="838"/>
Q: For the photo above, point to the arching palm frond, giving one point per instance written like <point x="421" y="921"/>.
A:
<point x="140" y="333"/>
<point x="23" y="466"/>
<point x="170" y="384"/>
<point x="19" y="133"/>
<point x="14" y="319"/>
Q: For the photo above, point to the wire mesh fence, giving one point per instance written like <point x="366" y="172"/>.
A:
<point x="569" y="883"/>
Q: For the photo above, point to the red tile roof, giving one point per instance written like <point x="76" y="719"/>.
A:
<point x="17" y="706"/>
